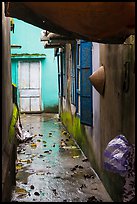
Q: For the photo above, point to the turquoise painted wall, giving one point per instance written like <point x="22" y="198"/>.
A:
<point x="28" y="36"/>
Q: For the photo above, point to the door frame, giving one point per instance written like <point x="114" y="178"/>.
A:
<point x="19" y="67"/>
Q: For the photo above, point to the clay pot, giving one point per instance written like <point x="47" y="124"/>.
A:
<point x="97" y="79"/>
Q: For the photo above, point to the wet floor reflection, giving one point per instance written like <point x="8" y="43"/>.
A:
<point x="51" y="167"/>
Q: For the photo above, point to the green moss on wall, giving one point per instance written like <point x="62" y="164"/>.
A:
<point x="112" y="182"/>
<point x="77" y="130"/>
<point x="13" y="122"/>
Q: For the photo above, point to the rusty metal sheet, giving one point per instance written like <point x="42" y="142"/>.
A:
<point x="104" y="22"/>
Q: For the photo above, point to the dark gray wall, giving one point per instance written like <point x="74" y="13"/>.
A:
<point x="8" y="150"/>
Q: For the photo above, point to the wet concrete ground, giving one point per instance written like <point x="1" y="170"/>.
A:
<point x="52" y="168"/>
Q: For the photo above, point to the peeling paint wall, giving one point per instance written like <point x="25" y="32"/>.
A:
<point x="8" y="150"/>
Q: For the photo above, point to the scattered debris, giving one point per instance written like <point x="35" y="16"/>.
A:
<point x="76" y="156"/>
<point x="48" y="151"/>
<point x="19" y="166"/>
<point x="57" y="177"/>
<point x="64" y="132"/>
<point x="80" y="167"/>
<point x="93" y="199"/>
<point x="36" y="193"/>
<point x="48" y="172"/>
<point x="40" y="156"/>
<point x="33" y="145"/>
<point x="87" y="176"/>
<point x="54" y="191"/>
<point x="32" y="187"/>
<point x="21" y="191"/>
<point x="50" y="134"/>
<point x="83" y="186"/>
<point x="85" y="160"/>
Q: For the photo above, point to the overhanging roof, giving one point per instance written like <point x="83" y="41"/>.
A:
<point x="55" y="37"/>
<point x="104" y="22"/>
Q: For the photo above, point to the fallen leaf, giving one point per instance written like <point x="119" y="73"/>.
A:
<point x="40" y="173"/>
<point x="21" y="191"/>
<point x="47" y="151"/>
<point x="69" y="147"/>
<point x="21" y="196"/>
<point x="85" y="160"/>
<point x="25" y="160"/>
<point x="83" y="186"/>
<point x="87" y="176"/>
<point x="75" y="156"/>
<point x="80" y="167"/>
<point x="48" y="172"/>
<point x="50" y="134"/>
<point x="33" y="145"/>
<point x="54" y="191"/>
<point x="29" y="161"/>
<point x="32" y="187"/>
<point x="18" y="167"/>
<point x="40" y="156"/>
<point x="64" y="132"/>
<point x="36" y="193"/>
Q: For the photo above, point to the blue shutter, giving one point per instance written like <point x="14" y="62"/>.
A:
<point x="86" y="111"/>
<point x="77" y="77"/>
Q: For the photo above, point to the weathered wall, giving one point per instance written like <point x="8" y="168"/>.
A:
<point x="113" y="113"/>
<point x="96" y="104"/>
<point x="87" y="137"/>
<point x="8" y="150"/>
<point x="117" y="105"/>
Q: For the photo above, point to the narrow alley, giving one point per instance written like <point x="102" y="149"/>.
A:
<point x="71" y="82"/>
<point x="51" y="167"/>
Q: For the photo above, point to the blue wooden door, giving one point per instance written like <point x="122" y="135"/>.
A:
<point x="86" y="111"/>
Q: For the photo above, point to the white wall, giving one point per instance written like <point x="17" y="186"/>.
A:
<point x="96" y="103"/>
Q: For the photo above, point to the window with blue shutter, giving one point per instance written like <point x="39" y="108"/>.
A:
<point x="84" y="87"/>
<point x="78" y="79"/>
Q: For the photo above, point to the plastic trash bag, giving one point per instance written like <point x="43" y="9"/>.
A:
<point x="21" y="134"/>
<point x="116" y="155"/>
